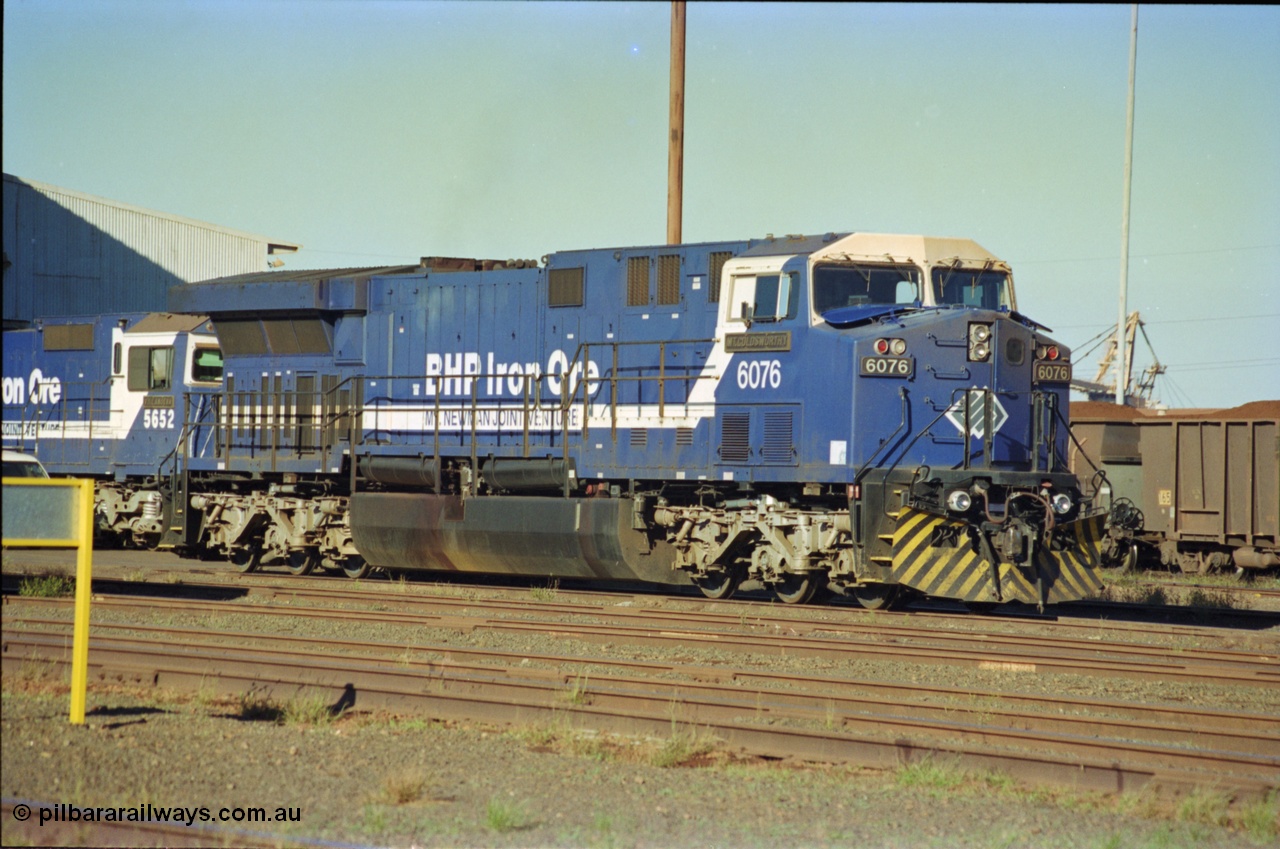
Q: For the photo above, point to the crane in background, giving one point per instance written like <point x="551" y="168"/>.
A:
<point x="1103" y="385"/>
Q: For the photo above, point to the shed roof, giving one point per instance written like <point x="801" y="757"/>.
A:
<point x="308" y="275"/>
<point x="273" y="245"/>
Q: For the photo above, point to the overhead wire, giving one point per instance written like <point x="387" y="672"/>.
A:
<point x="1017" y="262"/>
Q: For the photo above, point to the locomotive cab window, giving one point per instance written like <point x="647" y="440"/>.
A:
<point x="972" y="287"/>
<point x="836" y="286"/>
<point x="765" y="297"/>
<point x="150" y="368"/>
<point x="206" y="365"/>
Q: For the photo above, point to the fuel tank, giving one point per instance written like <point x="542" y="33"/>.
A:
<point x="587" y="538"/>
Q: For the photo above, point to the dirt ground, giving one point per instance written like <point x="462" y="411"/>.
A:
<point x="408" y="781"/>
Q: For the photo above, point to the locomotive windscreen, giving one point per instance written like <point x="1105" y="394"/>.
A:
<point x="971" y="287"/>
<point x="836" y="286"/>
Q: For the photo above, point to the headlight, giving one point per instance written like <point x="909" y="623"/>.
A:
<point x="1061" y="504"/>
<point x="979" y="342"/>
<point x="959" y="501"/>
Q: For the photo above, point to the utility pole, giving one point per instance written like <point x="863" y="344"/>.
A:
<point x="675" y="151"/>
<point x="1122" y="374"/>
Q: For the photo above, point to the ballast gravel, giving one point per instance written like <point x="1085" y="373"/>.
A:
<point x="372" y="779"/>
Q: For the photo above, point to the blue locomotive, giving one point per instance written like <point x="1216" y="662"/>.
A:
<point x="105" y="397"/>
<point x="857" y="413"/>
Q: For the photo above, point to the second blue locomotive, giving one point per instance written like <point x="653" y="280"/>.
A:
<point x="858" y="412"/>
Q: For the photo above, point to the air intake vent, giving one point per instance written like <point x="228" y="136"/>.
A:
<point x="669" y="280"/>
<point x="735" y="444"/>
<point x="777" y="447"/>
<point x="67" y="337"/>
<point x="718" y="259"/>
<point x="638" y="281"/>
<point x="564" y="287"/>
<point x="639" y="437"/>
<point x="684" y="436"/>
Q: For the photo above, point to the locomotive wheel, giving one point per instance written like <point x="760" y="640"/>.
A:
<point x="797" y="589"/>
<point x="1125" y="561"/>
<point x="720" y="585"/>
<point x="356" y="567"/>
<point x="874" y="596"/>
<point x="302" y="561"/>
<point x="246" y="560"/>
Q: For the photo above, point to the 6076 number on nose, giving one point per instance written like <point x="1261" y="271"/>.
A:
<point x="887" y="366"/>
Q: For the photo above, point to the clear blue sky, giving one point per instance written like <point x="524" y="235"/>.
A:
<point x="379" y="132"/>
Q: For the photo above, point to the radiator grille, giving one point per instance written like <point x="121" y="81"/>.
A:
<point x="639" y="437"/>
<point x="638" y="281"/>
<point x="669" y="279"/>
<point x="735" y="444"/>
<point x="777" y="446"/>
<point x="684" y="436"/>
<point x="564" y="287"/>
<point x="718" y="259"/>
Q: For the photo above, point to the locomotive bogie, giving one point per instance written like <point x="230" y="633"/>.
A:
<point x="126" y="515"/>
<point x="259" y="528"/>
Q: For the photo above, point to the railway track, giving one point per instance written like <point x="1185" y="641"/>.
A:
<point x="1096" y="744"/>
<point x="1114" y="618"/>
<point x="764" y="636"/>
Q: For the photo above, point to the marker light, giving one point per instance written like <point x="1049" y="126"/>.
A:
<point x="959" y="501"/>
<point x="899" y="347"/>
<point x="882" y="346"/>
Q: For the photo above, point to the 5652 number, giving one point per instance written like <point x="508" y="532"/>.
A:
<point x="157" y="419"/>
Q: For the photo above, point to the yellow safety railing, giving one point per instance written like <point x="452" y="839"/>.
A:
<point x="44" y="513"/>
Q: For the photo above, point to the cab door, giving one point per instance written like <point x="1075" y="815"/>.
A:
<point x="151" y="400"/>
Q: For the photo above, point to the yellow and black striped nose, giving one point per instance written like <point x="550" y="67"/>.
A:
<point x="933" y="554"/>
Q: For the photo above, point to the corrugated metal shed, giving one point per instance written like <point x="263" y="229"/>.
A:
<point x="69" y="253"/>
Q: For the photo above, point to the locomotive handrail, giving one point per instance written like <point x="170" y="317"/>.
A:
<point x="967" y="435"/>
<point x="1044" y="410"/>
<point x="888" y="440"/>
<point x="276" y="421"/>
<point x="188" y="428"/>
<point x="58" y="412"/>
<point x="582" y="352"/>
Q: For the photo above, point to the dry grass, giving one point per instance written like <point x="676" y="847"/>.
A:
<point x="405" y="787"/>
<point x="46" y="586"/>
